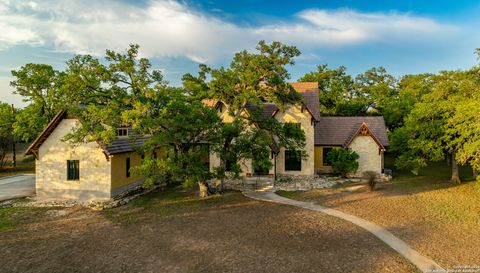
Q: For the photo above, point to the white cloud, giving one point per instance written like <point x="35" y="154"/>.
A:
<point x="169" y="28"/>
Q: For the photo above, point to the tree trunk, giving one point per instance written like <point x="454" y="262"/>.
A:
<point x="475" y="173"/>
<point x="203" y="189"/>
<point x="455" y="173"/>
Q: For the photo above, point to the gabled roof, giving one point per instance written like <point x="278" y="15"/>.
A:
<point x="309" y="91"/>
<point x="33" y="148"/>
<point x="268" y="109"/>
<point x="118" y="145"/>
<point x="340" y="131"/>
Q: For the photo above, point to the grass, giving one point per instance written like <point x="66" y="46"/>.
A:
<point x="434" y="216"/>
<point x="171" y="202"/>
<point x="16" y="217"/>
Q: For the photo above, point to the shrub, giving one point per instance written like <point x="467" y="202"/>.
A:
<point x="372" y="179"/>
<point x="343" y="161"/>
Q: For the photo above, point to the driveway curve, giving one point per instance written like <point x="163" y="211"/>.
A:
<point x="421" y="262"/>
<point x="17" y="186"/>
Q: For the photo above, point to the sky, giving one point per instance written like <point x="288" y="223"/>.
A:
<point x="405" y="37"/>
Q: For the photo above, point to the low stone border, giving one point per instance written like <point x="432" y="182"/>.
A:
<point x="304" y="183"/>
<point x="119" y="200"/>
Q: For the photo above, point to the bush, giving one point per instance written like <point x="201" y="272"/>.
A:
<point x="372" y="179"/>
<point x="343" y="161"/>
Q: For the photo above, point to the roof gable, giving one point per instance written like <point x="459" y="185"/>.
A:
<point x="336" y="131"/>
<point x="118" y="145"/>
<point x="363" y="130"/>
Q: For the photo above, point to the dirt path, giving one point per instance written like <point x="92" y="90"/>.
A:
<point x="222" y="234"/>
<point x="437" y="219"/>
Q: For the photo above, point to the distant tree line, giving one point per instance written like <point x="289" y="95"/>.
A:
<point x="430" y="117"/>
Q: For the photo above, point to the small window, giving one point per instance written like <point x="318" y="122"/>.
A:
<point x="293" y="160"/>
<point x="122" y="132"/>
<point x="127" y="166"/>
<point x="325" y="158"/>
<point x="73" y="170"/>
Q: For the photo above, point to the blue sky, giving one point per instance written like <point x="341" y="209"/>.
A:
<point x="405" y="37"/>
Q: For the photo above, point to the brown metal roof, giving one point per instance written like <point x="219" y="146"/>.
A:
<point x="337" y="131"/>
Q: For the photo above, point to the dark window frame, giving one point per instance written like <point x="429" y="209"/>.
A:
<point x="122" y="132"/>
<point x="73" y="170"/>
<point x="296" y="124"/>
<point x="325" y="151"/>
<point x="293" y="160"/>
<point x="127" y="167"/>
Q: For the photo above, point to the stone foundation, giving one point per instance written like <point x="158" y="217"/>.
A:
<point x="304" y="183"/>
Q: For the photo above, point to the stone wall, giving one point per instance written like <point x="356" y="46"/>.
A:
<point x="371" y="158"/>
<point x="297" y="114"/>
<point x="51" y="168"/>
<point x="303" y="183"/>
<point x="294" y="114"/>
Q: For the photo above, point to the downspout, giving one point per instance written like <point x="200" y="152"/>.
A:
<point x="275" y="168"/>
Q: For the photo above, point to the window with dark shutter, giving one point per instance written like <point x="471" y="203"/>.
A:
<point x="73" y="169"/>
<point x="127" y="166"/>
<point x="293" y="160"/>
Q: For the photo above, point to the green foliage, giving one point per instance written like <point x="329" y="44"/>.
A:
<point x="343" y="161"/>
<point x="370" y="93"/>
<point x="7" y="118"/>
<point x="253" y="79"/>
<point x="442" y="124"/>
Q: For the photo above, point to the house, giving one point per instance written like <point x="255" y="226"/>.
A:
<point x="93" y="171"/>
<point x="365" y="135"/>
<point x="85" y="171"/>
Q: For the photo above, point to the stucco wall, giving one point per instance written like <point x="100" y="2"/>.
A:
<point x="119" y="169"/>
<point x="319" y="166"/>
<point x="51" y="168"/>
<point x="368" y="150"/>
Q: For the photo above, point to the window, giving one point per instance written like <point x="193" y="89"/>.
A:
<point x="127" y="166"/>
<point x="295" y="124"/>
<point x="293" y="160"/>
<point x="230" y="162"/>
<point x="73" y="170"/>
<point x="325" y="153"/>
<point x="122" y="132"/>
